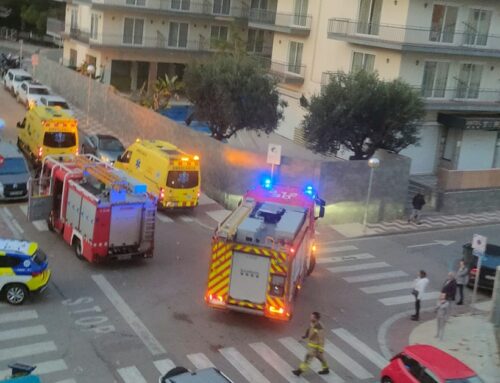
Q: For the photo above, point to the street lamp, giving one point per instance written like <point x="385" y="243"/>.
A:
<point x="373" y="163"/>
<point x="90" y="72"/>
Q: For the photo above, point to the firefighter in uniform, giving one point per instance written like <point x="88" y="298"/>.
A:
<point x="315" y="336"/>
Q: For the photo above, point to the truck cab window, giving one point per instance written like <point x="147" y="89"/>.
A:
<point x="125" y="157"/>
<point x="277" y="285"/>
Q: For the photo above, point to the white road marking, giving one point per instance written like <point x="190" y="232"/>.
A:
<point x="387" y="287"/>
<point x="218" y="215"/>
<point x="244" y="367"/>
<point x="185" y="218"/>
<point x="375" y="277"/>
<point x="344" y="258"/>
<point x="129" y="316"/>
<point x="200" y="361"/>
<point x="300" y="351"/>
<point x="18" y="316"/>
<point x="346" y="361"/>
<point x="335" y="249"/>
<point x="408" y="298"/>
<point x="131" y="375"/>
<point x="41" y="225"/>
<point x="275" y="361"/>
<point x="362" y="266"/>
<point x="6" y="215"/>
<point x="373" y="356"/>
<point x="44" y="368"/>
<point x="24" y="209"/>
<point x="163" y="218"/>
<point x="163" y="366"/>
<point x="66" y="381"/>
<point x="27" y="350"/>
<point x="22" y="332"/>
<point x="205" y="200"/>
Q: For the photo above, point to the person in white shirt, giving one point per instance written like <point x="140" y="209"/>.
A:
<point x="419" y="286"/>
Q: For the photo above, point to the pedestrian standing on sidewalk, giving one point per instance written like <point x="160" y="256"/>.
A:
<point x="419" y="286"/>
<point x="315" y="336"/>
<point x="461" y="278"/>
<point x="450" y="290"/>
<point x="418" y="203"/>
<point x="441" y="312"/>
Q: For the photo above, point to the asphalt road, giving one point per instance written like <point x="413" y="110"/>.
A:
<point x="127" y="321"/>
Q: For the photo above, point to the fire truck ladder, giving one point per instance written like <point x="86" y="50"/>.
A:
<point x="149" y="217"/>
<point x="228" y="228"/>
<point x="101" y="172"/>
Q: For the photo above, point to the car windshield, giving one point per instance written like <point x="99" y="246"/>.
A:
<point x="111" y="144"/>
<point x="13" y="166"/>
<point x="20" y="77"/>
<point x="60" y="104"/>
<point x="39" y="91"/>
<point x="59" y="139"/>
<point x="182" y="179"/>
<point x="39" y="257"/>
<point x="472" y="379"/>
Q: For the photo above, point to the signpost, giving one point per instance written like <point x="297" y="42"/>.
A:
<point x="35" y="59"/>
<point x="478" y="249"/>
<point x="273" y="157"/>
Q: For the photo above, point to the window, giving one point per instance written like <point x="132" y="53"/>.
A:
<point x="180" y="5"/>
<point x="469" y="80"/>
<point x="222" y="7"/>
<point x="450" y="144"/>
<point x="59" y="140"/>
<point x="133" y="30"/>
<point x="295" y="57"/>
<point x="435" y="78"/>
<point x="94" y="25"/>
<point x="74" y="18"/>
<point x="177" y="35"/>
<point x="139" y="3"/>
<point x="8" y="261"/>
<point x="300" y="14"/>
<point x="444" y="20"/>
<point x="39" y="257"/>
<point x="477" y="27"/>
<point x="255" y="42"/>
<point x="277" y="287"/>
<point x="125" y="157"/>
<point x="363" y="61"/>
<point x="428" y="377"/>
<point x="258" y="4"/>
<point x="413" y="366"/>
<point x="369" y="16"/>
<point x="218" y="34"/>
<point x="182" y="179"/>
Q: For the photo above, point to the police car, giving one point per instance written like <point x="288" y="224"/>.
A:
<point x="23" y="270"/>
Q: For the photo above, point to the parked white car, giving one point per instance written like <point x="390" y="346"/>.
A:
<point x="30" y="92"/>
<point x="13" y="78"/>
<point x="56" y="101"/>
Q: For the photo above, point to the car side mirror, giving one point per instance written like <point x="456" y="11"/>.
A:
<point x="321" y="204"/>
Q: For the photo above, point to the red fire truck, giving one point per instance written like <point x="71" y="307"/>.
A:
<point x="262" y="252"/>
<point x="100" y="211"/>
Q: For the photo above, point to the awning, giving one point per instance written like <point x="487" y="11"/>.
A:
<point x="470" y="121"/>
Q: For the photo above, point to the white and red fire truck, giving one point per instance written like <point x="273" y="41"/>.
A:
<point x="262" y="252"/>
<point x="99" y="210"/>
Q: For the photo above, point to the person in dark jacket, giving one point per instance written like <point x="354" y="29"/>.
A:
<point x="418" y="203"/>
<point x="450" y="290"/>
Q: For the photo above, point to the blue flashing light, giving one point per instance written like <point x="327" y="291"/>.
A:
<point x="309" y="190"/>
<point x="267" y="184"/>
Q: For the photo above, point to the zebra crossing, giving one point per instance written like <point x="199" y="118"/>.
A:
<point x="371" y="276"/>
<point x="24" y="339"/>
<point x="349" y="358"/>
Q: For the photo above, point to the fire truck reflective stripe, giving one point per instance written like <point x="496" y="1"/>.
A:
<point x="221" y="260"/>
<point x="275" y="268"/>
<point x="275" y="302"/>
<point x="219" y="281"/>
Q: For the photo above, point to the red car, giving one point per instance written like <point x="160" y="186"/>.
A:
<point x="422" y="363"/>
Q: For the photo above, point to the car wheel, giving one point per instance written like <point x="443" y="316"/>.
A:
<point x="311" y="263"/>
<point x="16" y="294"/>
<point x="174" y="372"/>
<point x="77" y="244"/>
<point x="386" y="379"/>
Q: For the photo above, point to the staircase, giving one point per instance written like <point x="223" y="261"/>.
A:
<point x="426" y="185"/>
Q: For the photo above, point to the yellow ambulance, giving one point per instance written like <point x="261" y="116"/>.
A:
<point x="171" y="174"/>
<point x="47" y="131"/>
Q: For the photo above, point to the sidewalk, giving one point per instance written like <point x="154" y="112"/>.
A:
<point x="469" y="338"/>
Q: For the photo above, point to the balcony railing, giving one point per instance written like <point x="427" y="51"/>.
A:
<point x="414" y="38"/>
<point x="271" y="18"/>
<point x="192" y="7"/>
<point x="78" y="34"/>
<point x="55" y="27"/>
<point x="286" y="72"/>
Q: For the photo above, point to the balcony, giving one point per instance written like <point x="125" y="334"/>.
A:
<point x="289" y="23"/>
<point x="203" y="9"/>
<point x="414" y="39"/>
<point x="285" y="72"/>
<point x="55" y="27"/>
<point x="76" y="33"/>
<point x="461" y="98"/>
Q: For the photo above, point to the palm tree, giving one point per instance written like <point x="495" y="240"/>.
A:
<point x="164" y="89"/>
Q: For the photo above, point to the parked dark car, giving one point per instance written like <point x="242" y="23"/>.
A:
<point x="103" y="146"/>
<point x="489" y="263"/>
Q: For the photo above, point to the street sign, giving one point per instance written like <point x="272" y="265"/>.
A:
<point x="478" y="249"/>
<point x="274" y="154"/>
<point x="35" y="59"/>
<point x="479" y="244"/>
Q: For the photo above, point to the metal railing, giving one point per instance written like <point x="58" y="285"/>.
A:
<point x="78" y="34"/>
<point x="459" y="93"/>
<point x="266" y="50"/>
<point x="401" y="34"/>
<point x="268" y="17"/>
<point x="54" y="26"/>
<point x="281" y="68"/>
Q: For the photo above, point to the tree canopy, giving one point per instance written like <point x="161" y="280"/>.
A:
<point x="231" y="93"/>
<point x="30" y="15"/>
<point x="363" y="113"/>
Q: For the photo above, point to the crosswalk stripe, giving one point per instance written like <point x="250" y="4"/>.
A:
<point x="26" y="350"/>
<point x="345" y="258"/>
<point x="22" y="332"/>
<point x="373" y="356"/>
<point x="387" y="287"/>
<point x="335" y="249"/>
<point x="66" y="381"/>
<point x="408" y="298"/>
<point x="18" y="316"/>
<point x="185" y="218"/>
<point x="163" y="218"/>
<point x="300" y="351"/>
<point x="200" y="360"/>
<point x="275" y="361"/>
<point x="164" y="365"/>
<point x="24" y="209"/>
<point x="375" y="277"/>
<point x="44" y="368"/>
<point x="363" y="266"/>
<point x="345" y="360"/>
<point x="245" y="368"/>
<point x="41" y="225"/>
<point x="131" y="375"/>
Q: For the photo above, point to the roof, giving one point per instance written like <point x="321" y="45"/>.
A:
<point x="440" y="362"/>
<point x="19" y="71"/>
<point x="8" y="150"/>
<point x="51" y="113"/>
<point x="17" y="246"/>
<point x="54" y="97"/>
<point x="161" y="147"/>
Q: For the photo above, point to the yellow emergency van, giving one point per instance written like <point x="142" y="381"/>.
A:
<point x="171" y="174"/>
<point x="47" y="131"/>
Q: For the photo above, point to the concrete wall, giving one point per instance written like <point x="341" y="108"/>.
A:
<point x="469" y="201"/>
